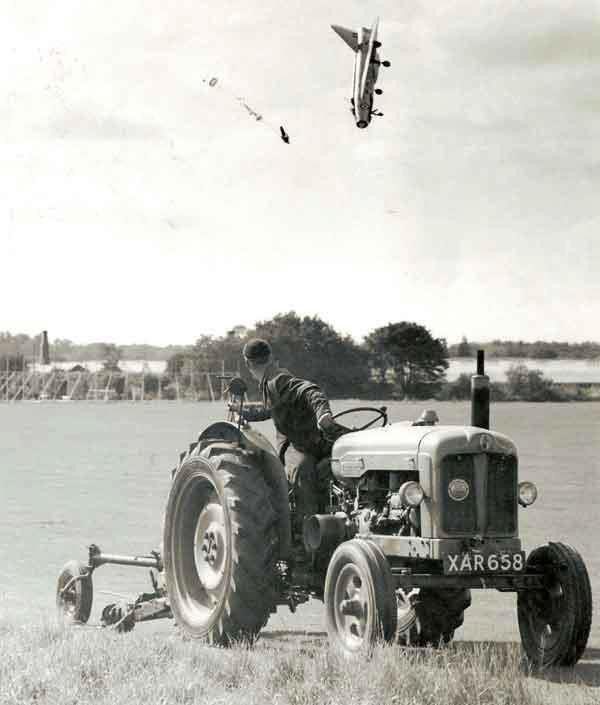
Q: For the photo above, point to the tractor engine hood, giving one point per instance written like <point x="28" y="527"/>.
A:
<point x="397" y="446"/>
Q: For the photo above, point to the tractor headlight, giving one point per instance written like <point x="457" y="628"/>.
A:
<point x="411" y="494"/>
<point x="527" y="493"/>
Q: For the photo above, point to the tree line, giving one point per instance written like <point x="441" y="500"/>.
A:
<point x="522" y="384"/>
<point x="22" y="346"/>
<point x="401" y="360"/>
<point x="537" y="350"/>
<point x="398" y="361"/>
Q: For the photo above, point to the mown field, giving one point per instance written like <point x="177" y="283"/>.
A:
<point x="72" y="474"/>
<point x="48" y="663"/>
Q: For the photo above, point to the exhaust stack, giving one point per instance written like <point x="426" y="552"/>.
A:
<point x="480" y="395"/>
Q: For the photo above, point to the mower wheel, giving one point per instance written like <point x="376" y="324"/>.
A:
<point x="359" y="596"/>
<point x="555" y="621"/>
<point x="220" y="546"/>
<point x="74" y="593"/>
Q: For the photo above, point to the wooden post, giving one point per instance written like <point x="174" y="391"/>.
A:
<point x="47" y="383"/>
<point x="33" y="367"/>
<point x="74" y="389"/>
<point x="211" y="391"/>
<point x="21" y="389"/>
<point x="107" y="388"/>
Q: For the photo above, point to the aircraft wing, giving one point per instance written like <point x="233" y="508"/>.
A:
<point x="348" y="35"/>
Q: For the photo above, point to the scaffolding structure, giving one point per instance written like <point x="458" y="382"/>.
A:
<point x="33" y="385"/>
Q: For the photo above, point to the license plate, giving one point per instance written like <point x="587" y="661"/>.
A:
<point x="473" y="562"/>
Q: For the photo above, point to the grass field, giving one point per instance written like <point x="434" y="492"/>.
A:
<point x="76" y="473"/>
<point x="47" y="663"/>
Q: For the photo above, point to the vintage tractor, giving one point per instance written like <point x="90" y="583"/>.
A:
<point x="417" y="515"/>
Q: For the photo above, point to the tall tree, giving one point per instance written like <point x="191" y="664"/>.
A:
<point x="313" y="349"/>
<point x="419" y="361"/>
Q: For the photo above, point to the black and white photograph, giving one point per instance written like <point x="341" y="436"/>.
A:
<point x="300" y="352"/>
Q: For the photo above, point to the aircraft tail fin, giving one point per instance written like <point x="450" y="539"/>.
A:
<point x="348" y="35"/>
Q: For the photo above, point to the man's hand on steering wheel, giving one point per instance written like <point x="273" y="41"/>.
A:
<point x="330" y="428"/>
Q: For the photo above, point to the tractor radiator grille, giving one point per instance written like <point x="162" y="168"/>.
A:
<point x="502" y="500"/>
<point x="491" y="504"/>
<point x="458" y="516"/>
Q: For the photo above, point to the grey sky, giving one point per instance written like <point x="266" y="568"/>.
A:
<point x="139" y="204"/>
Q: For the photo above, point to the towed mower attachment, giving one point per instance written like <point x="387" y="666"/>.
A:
<point x="74" y="592"/>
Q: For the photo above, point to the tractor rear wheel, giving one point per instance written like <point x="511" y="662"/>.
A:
<point x="220" y="546"/>
<point x="555" y="621"/>
<point x="74" y="593"/>
<point x="439" y="613"/>
<point x="359" y="596"/>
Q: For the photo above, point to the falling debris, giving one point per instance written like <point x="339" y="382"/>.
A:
<point x="255" y="115"/>
<point x="215" y="82"/>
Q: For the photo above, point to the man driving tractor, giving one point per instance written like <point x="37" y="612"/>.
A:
<point x="304" y="424"/>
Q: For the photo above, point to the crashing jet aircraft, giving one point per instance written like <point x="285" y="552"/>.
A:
<point x="366" y="70"/>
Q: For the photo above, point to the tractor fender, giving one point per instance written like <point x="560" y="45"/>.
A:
<point x="277" y="480"/>
<point x="252" y="440"/>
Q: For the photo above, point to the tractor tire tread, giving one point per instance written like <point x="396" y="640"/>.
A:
<point x="250" y="597"/>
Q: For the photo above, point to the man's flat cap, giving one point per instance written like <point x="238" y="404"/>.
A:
<point x="257" y="350"/>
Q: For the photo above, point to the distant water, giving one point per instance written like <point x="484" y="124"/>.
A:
<point x="496" y="368"/>
<point x="82" y="472"/>
<point x="566" y="371"/>
<point x="156" y="367"/>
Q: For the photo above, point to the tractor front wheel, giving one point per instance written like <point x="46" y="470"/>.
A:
<point x="359" y="596"/>
<point x="555" y="621"/>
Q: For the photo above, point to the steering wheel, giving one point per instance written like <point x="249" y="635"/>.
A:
<point x="380" y="415"/>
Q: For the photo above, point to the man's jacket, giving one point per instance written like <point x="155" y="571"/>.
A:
<point x="295" y="405"/>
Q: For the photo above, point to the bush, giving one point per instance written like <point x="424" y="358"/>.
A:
<point x="524" y="384"/>
<point x="459" y="389"/>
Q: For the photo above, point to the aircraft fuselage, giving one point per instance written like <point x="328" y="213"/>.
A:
<point x="365" y="77"/>
<point x="366" y="69"/>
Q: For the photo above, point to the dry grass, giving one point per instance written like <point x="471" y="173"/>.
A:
<point x="46" y="662"/>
